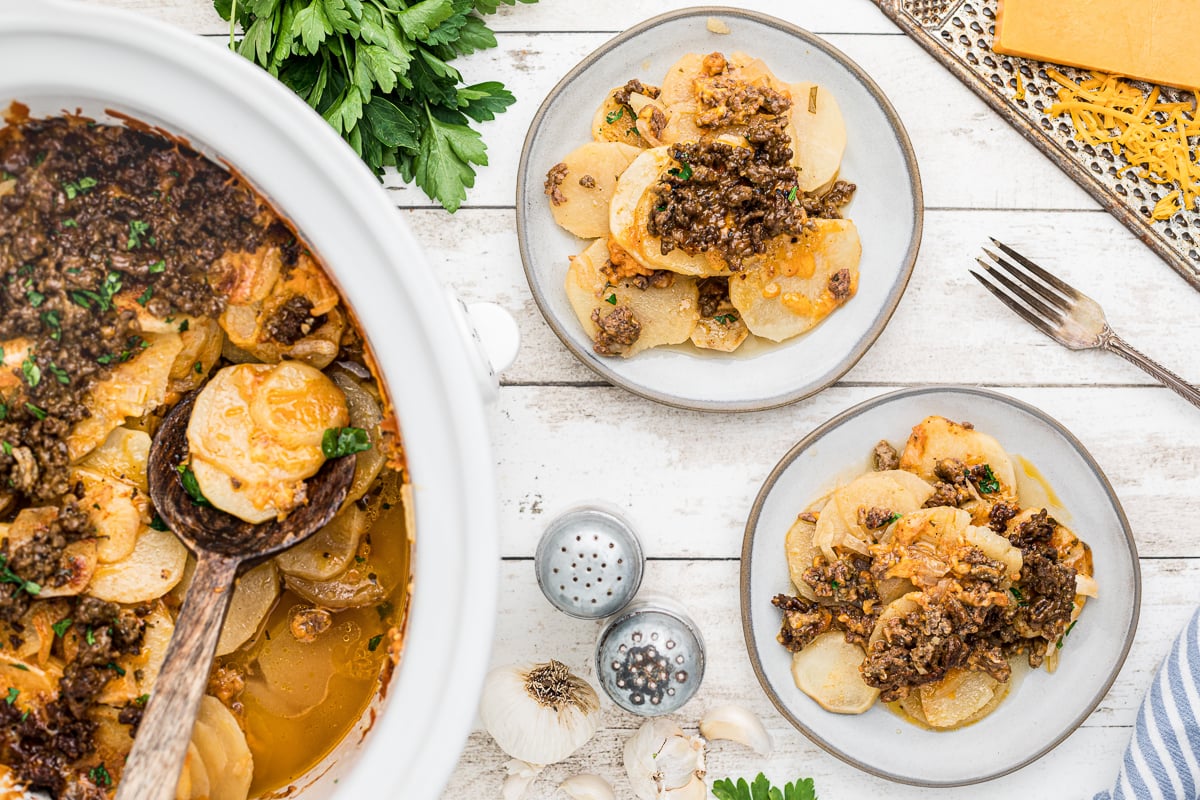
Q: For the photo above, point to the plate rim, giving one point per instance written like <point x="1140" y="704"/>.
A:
<point x="848" y="415"/>
<point x="861" y="347"/>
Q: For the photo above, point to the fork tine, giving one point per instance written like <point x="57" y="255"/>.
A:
<point x="1054" y="314"/>
<point x="1068" y="290"/>
<point x="1042" y="290"/>
<point x="1020" y="310"/>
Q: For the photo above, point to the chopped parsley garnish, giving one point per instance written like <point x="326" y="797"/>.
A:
<point x="835" y="584"/>
<point x="988" y="483"/>
<point x="634" y="131"/>
<point x="191" y="485"/>
<point x="791" y="195"/>
<point x="137" y="230"/>
<point x="893" y="518"/>
<point x="101" y="299"/>
<point x="141" y="700"/>
<point x="100" y="776"/>
<point x="52" y="320"/>
<point x="157" y="524"/>
<point x="157" y="267"/>
<point x="684" y="173"/>
<point x="725" y="319"/>
<point x="37" y="412"/>
<point x="183" y="326"/>
<point x="338" y="442"/>
<point x="115" y="667"/>
<point x="612" y="116"/>
<point x="1066" y="633"/>
<point x="8" y="576"/>
<point x="35" y="298"/>
<point x="83" y="186"/>
<point x="70" y="223"/>
<point x="373" y="642"/>
<point x="1018" y="595"/>
<point x="3" y="410"/>
<point x="59" y="374"/>
<point x="146" y="295"/>
<point x="611" y="299"/>
<point x="6" y="447"/>
<point x="32" y="372"/>
<point x="198" y="367"/>
<point x="61" y="627"/>
<point x="90" y="636"/>
<point x="13" y="692"/>
<point x="384" y="609"/>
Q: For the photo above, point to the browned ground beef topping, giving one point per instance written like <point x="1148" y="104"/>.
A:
<point x="829" y="205"/>
<point x="587" y="182"/>
<point x="86" y="210"/>
<point x="635" y="86"/>
<point x="885" y="457"/>
<point x="45" y="748"/>
<point x="714" y="292"/>
<point x="731" y="199"/>
<point x="874" y="518"/>
<point x="553" y="184"/>
<point x="618" y="330"/>
<point x="839" y="284"/>
<point x="293" y="321"/>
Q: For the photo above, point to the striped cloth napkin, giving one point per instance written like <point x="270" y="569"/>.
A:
<point x="1163" y="758"/>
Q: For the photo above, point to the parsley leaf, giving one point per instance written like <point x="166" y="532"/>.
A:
<point x="8" y="576"/>
<point x="373" y="642"/>
<point x="191" y="485"/>
<point x="338" y="442"/>
<point x="61" y="627"/>
<point x="380" y="74"/>
<point x="988" y="484"/>
<point x="761" y="789"/>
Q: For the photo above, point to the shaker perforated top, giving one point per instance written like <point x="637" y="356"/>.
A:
<point x="589" y="562"/>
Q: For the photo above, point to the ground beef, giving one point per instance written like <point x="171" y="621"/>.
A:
<point x="92" y="210"/>
<point x="634" y="86"/>
<point x="948" y="494"/>
<point x="999" y="515"/>
<point x="725" y="99"/>
<point x="553" y="184"/>
<point x="587" y="182"/>
<point x="803" y="621"/>
<point x="617" y="331"/>
<point x="839" y="285"/>
<point x="729" y="199"/>
<point x="874" y="518"/>
<point x="829" y="205"/>
<point x="846" y="585"/>
<point x="292" y="321"/>
<point x="884" y="457"/>
<point x="714" y="293"/>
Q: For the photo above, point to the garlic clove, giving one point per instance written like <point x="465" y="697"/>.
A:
<point x="660" y="759"/>
<point x="696" y="789"/>
<point x="588" y="787"/>
<point x="520" y="775"/>
<point x="540" y="713"/>
<point x="737" y="724"/>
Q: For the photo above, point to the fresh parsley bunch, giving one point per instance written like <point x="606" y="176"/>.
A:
<point x="762" y="789"/>
<point x="379" y="72"/>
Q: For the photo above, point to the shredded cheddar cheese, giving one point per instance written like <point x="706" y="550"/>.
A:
<point x="1153" y="136"/>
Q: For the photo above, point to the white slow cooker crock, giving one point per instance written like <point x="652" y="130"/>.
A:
<point x="57" y="55"/>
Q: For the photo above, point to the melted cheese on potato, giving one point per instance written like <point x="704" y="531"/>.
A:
<point x="255" y="436"/>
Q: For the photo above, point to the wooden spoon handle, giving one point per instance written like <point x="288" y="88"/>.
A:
<point x="153" y="767"/>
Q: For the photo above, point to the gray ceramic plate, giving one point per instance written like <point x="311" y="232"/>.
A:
<point x="1045" y="708"/>
<point x="887" y="210"/>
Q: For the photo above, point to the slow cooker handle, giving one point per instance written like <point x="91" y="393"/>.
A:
<point x="492" y="336"/>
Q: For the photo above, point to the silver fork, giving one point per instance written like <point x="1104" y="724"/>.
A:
<point x="1063" y="313"/>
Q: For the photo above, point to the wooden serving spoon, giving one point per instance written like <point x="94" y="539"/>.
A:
<point x="223" y="545"/>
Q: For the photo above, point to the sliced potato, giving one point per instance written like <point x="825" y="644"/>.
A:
<point x="76" y="562"/>
<point x="818" y="135"/>
<point x="193" y="780"/>
<point x="873" y="490"/>
<point x="365" y="414"/>
<point x="667" y="316"/>
<point x="116" y="510"/>
<point x="677" y="86"/>
<point x="800" y="549"/>
<point x="122" y="457"/>
<point x="223" y="749"/>
<point x="588" y="186"/>
<point x="202" y="342"/>
<point x="614" y="122"/>
<point x="921" y="489"/>
<point x="937" y="438"/>
<point x="956" y="697"/>
<point x="831" y="528"/>
<point x="995" y="547"/>
<point x="910" y="705"/>
<point x="723" y="331"/>
<point x="787" y="295"/>
<point x="681" y="124"/>
<point x="890" y="589"/>
<point x="328" y="552"/>
<point x="153" y="567"/>
<point x="135" y="387"/>
<point x="827" y="671"/>
<point x="629" y="216"/>
<point x="35" y="685"/>
<point x="254" y="596"/>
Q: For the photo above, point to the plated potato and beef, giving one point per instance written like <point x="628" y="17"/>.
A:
<point x="925" y="582"/>
<point x="715" y="210"/>
<point x="133" y="271"/>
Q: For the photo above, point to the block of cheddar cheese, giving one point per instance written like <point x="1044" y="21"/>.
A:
<point x="1152" y="40"/>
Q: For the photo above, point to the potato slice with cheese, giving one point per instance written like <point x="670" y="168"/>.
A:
<point x="937" y="438"/>
<point x="957" y="697"/>
<point x="117" y="511"/>
<point x="616" y="122"/>
<point x="122" y="457"/>
<point x="153" y="567"/>
<point x="792" y="291"/>
<point x="585" y="189"/>
<point x="666" y="316"/>
<point x="629" y="216"/>
<point x="827" y="671"/>
<point x="818" y="134"/>
<point x="255" y="436"/>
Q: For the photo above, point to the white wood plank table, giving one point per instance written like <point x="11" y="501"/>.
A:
<point x="697" y="474"/>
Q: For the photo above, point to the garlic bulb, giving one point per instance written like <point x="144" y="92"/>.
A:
<point x="520" y="775"/>
<point x="587" y="787"/>
<point x="738" y="725"/>
<point x="664" y="763"/>
<point x="540" y="713"/>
